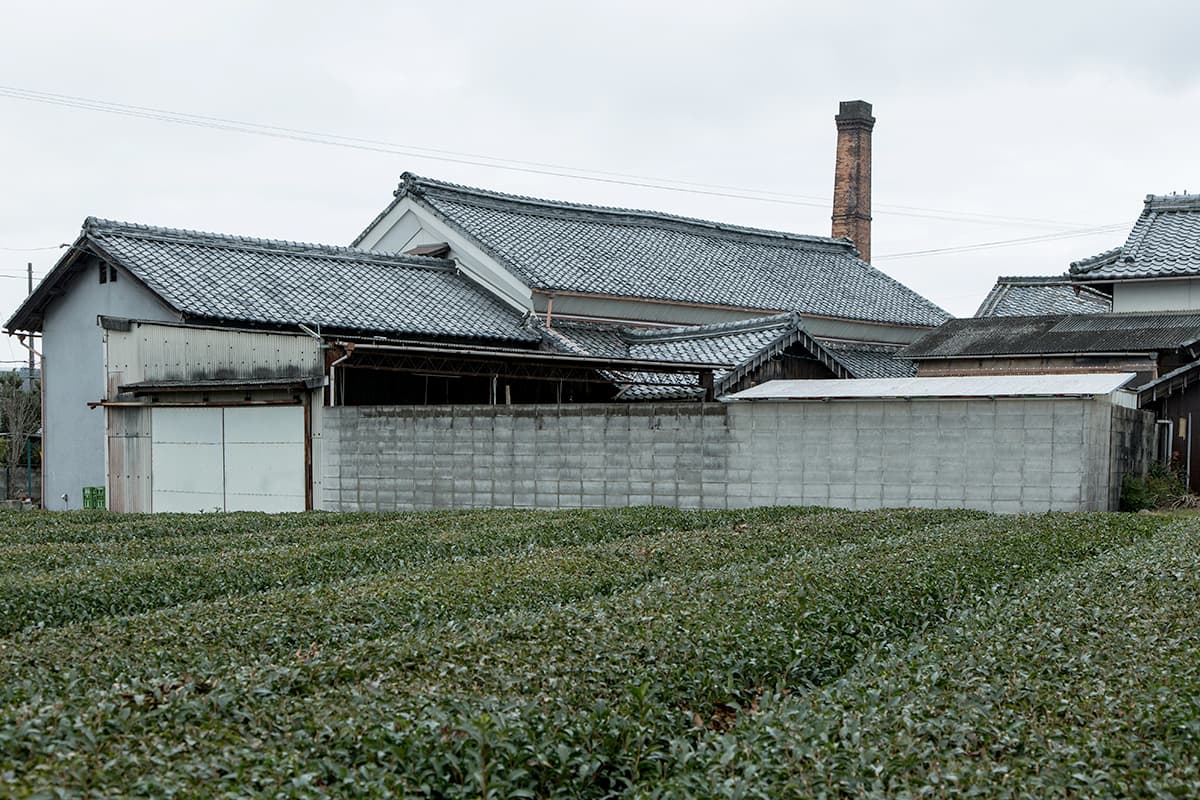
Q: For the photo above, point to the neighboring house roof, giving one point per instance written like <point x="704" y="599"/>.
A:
<point x="1164" y="243"/>
<point x="1174" y="382"/>
<point x="1058" y="335"/>
<point x="558" y="246"/>
<point x="208" y="276"/>
<point x="744" y="345"/>
<point x="1031" y="296"/>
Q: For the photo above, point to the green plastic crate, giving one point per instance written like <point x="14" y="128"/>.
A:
<point x="93" y="497"/>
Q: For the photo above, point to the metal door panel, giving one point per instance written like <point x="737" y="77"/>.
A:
<point x="186" y="460"/>
<point x="264" y="459"/>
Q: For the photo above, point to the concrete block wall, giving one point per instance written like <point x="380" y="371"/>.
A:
<point x="1003" y="455"/>
<point x="569" y="456"/>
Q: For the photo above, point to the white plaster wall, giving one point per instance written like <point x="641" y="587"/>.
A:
<point x="409" y="224"/>
<point x="74" y="375"/>
<point x="1163" y="295"/>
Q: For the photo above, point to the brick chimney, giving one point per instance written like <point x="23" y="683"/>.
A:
<point x="852" y="175"/>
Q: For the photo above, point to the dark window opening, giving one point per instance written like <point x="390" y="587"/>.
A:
<point x="103" y="272"/>
<point x="369" y="387"/>
<point x="112" y="273"/>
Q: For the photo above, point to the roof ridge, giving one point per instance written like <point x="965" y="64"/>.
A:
<point x="98" y="226"/>
<point x="1172" y="202"/>
<point x="710" y="329"/>
<point x="1097" y="260"/>
<point x="1035" y="279"/>
<point x="416" y="184"/>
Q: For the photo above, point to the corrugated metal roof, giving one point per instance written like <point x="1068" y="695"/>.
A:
<point x="1086" y="385"/>
<point x="1057" y="335"/>
<point x="562" y="246"/>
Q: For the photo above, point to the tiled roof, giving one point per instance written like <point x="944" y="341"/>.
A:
<point x="1164" y="243"/>
<point x="1058" y="335"/>
<point x="1031" y="296"/>
<point x="260" y="281"/>
<point x="864" y="360"/>
<point x="626" y="253"/>
<point x="744" y="345"/>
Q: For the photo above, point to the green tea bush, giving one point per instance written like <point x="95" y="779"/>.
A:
<point x="645" y="652"/>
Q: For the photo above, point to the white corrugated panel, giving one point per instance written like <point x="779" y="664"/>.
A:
<point x="151" y="352"/>
<point x="1083" y="385"/>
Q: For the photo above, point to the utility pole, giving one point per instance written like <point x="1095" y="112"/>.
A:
<point x="29" y="439"/>
<point x="29" y="278"/>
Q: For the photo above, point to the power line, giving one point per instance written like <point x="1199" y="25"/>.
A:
<point x="1006" y="242"/>
<point x="495" y="162"/>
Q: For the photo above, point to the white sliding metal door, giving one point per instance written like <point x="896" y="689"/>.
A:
<point x="248" y="458"/>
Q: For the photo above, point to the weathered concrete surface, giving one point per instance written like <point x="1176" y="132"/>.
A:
<point x="1004" y="455"/>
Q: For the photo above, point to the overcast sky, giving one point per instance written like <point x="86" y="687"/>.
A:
<point x="1052" y="117"/>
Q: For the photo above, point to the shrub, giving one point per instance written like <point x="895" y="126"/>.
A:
<point x="1160" y="488"/>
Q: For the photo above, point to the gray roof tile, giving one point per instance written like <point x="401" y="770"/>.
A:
<point x="1030" y="296"/>
<point x="239" y="279"/>
<point x="1164" y="243"/>
<point x="742" y="344"/>
<point x="628" y="253"/>
<point x="870" y="360"/>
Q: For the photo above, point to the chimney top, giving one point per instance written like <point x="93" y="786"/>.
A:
<point x="852" y="176"/>
<point x="855" y="111"/>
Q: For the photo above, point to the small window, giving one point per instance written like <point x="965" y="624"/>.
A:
<point x="112" y="274"/>
<point x="103" y="272"/>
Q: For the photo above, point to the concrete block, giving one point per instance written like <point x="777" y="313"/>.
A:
<point x="980" y="492"/>
<point x="954" y="492"/>
<point x="1066" y="494"/>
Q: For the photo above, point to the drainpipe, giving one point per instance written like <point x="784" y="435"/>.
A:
<point x="1189" y="450"/>
<point x="1164" y="457"/>
<point x="333" y="387"/>
<point x="549" y="309"/>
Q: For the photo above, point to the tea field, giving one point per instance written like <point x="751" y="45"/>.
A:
<point x="634" y="653"/>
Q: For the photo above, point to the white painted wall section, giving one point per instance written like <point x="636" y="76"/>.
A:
<point x="409" y="223"/>
<point x="1159" y="295"/>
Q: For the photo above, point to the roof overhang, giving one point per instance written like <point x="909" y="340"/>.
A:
<point x="1174" y="382"/>
<point x="144" y="388"/>
<point x="30" y="315"/>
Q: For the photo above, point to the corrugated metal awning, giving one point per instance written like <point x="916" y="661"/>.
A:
<point x="222" y="384"/>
